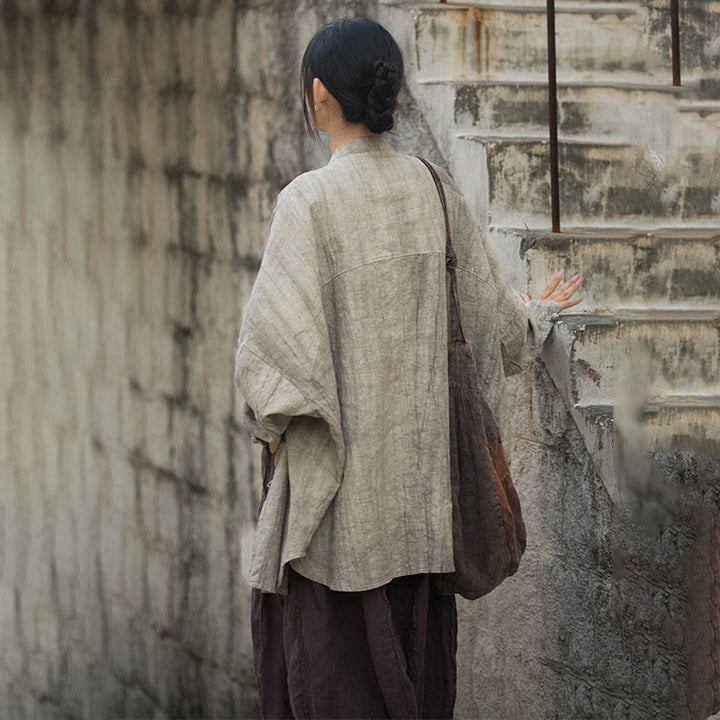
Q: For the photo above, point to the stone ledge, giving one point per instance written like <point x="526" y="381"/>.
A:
<point x="664" y="267"/>
<point x="563" y="6"/>
<point x="677" y="421"/>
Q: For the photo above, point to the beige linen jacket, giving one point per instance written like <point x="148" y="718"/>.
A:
<point x="343" y="352"/>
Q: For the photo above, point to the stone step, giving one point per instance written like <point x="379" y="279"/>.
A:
<point x="538" y="5"/>
<point x="679" y="351"/>
<point x="671" y="122"/>
<point x="701" y="121"/>
<point x="704" y="109"/>
<point x="708" y="88"/>
<point x="624" y="267"/>
<point x="687" y="422"/>
<point x="684" y="422"/>
<point x="700" y="29"/>
<point x="507" y="180"/>
<point x="594" y="108"/>
<point x="487" y="40"/>
<point x="690" y="423"/>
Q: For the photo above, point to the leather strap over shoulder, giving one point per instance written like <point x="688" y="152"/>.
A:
<point x="450" y="257"/>
<point x="456" y="331"/>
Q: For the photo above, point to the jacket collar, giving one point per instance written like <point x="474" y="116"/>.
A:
<point x="372" y="144"/>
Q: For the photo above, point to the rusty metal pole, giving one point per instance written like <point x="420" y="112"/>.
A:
<point x="553" y="118"/>
<point x="675" y="33"/>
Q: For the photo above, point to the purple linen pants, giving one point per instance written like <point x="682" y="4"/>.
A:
<point x="388" y="652"/>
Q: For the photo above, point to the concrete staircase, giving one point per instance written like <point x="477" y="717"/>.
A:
<point x="640" y="195"/>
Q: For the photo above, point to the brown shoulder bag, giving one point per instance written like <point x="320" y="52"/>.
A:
<point x="488" y="529"/>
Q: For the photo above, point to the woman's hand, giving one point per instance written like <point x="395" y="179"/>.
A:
<point x="561" y="293"/>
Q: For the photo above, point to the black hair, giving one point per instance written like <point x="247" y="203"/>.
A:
<point x="361" y="65"/>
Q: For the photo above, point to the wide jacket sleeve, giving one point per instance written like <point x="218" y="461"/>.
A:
<point x="283" y="364"/>
<point x="285" y="374"/>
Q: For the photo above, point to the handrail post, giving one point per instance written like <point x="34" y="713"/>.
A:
<point x="553" y="118"/>
<point x="675" y="34"/>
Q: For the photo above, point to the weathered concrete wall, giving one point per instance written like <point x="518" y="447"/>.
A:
<point x="699" y="35"/>
<point x="142" y="145"/>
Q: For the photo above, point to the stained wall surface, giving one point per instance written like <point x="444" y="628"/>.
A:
<point x="142" y="145"/>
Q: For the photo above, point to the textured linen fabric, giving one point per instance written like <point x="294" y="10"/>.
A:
<point x="343" y="354"/>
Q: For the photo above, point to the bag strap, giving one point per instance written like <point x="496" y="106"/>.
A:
<point x="456" y="331"/>
<point x="450" y="257"/>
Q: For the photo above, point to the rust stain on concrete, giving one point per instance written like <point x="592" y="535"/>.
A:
<point x="473" y="26"/>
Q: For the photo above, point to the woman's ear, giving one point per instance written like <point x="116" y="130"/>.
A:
<point x="320" y="92"/>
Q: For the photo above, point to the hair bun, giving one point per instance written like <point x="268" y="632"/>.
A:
<point x="384" y="88"/>
<point x="384" y="71"/>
